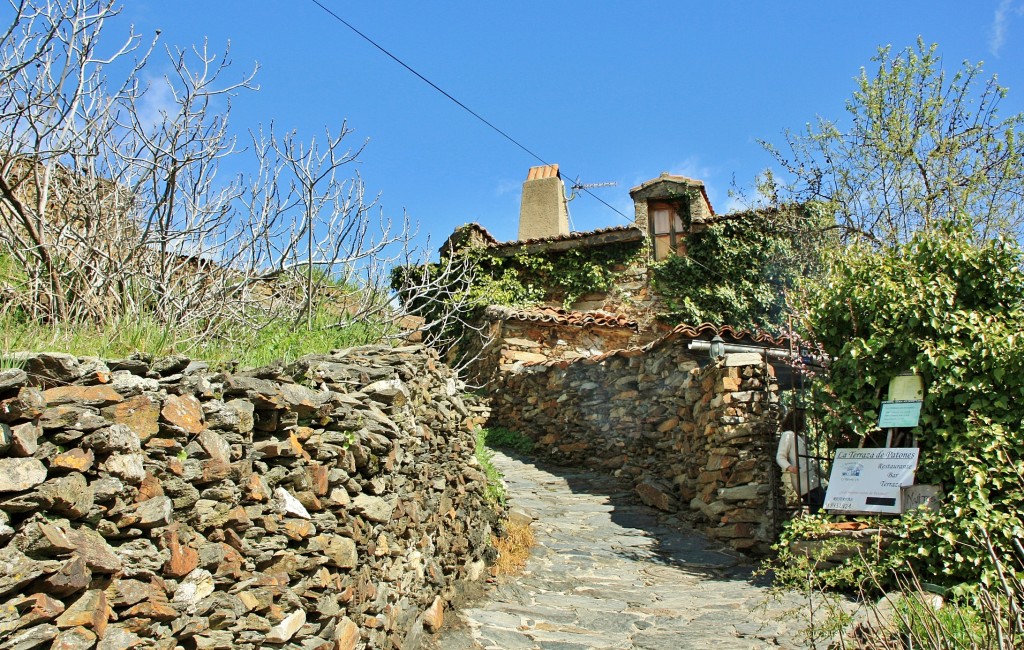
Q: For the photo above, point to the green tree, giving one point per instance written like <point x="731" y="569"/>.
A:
<point x="919" y="148"/>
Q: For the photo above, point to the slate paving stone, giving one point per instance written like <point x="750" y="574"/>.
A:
<point x="608" y="572"/>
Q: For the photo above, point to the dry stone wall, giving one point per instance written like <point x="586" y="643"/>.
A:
<point x="332" y="503"/>
<point x="696" y="440"/>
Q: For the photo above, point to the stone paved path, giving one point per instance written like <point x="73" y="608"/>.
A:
<point x="608" y="572"/>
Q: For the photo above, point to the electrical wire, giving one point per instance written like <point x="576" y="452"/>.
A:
<point x="479" y="117"/>
<point x="453" y="99"/>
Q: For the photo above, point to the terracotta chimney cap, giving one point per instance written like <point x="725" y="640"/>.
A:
<point x="544" y="171"/>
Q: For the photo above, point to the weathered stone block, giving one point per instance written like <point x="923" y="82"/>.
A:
<point x="18" y="474"/>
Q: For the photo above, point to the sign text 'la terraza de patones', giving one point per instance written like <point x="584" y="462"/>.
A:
<point x="869" y="480"/>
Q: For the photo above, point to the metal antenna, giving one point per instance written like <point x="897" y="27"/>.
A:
<point x="577" y="185"/>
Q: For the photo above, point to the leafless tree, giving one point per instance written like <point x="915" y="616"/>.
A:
<point x="440" y="297"/>
<point x="113" y="204"/>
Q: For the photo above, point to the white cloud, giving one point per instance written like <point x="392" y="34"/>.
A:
<point x="692" y="168"/>
<point x="157" y="103"/>
<point x="1000" y="24"/>
<point x="506" y="186"/>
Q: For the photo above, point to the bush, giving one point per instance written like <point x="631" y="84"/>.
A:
<point x="949" y="307"/>
<point x="502" y="438"/>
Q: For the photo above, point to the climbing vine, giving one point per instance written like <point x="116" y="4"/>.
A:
<point x="566" y="276"/>
<point x="738" y="270"/>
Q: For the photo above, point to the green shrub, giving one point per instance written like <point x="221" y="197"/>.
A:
<point x="948" y="306"/>
<point x="502" y="438"/>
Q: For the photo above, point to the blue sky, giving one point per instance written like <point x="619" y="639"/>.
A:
<point x="611" y="91"/>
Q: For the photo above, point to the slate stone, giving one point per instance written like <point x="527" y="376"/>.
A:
<point x="76" y="459"/>
<point x="183" y="412"/>
<point x="99" y="395"/>
<point x="373" y="508"/>
<point x="75" y="638"/>
<point x="197" y="585"/>
<point x="28" y="404"/>
<point x="128" y="467"/>
<point x="25" y="439"/>
<point x="130" y="384"/>
<point x="340" y="551"/>
<point x="89" y="610"/>
<point x="141" y="558"/>
<point x="117" y="438"/>
<point x="140" y="413"/>
<point x="73" y="576"/>
<point x="69" y="422"/>
<point x="19" y="474"/>
<point x="12" y="378"/>
<point x="164" y="366"/>
<point x="18" y="570"/>
<point x="150" y="513"/>
<point x="286" y="629"/>
<point x="98" y="555"/>
<point x="433" y="616"/>
<point x="69" y="495"/>
<point x="33" y="637"/>
<point x="118" y="638"/>
<point x="289" y="505"/>
<point x="232" y="543"/>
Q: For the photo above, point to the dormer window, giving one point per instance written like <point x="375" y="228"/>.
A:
<point x="666" y="227"/>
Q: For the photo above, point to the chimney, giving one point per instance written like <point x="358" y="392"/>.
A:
<point x="544" y="211"/>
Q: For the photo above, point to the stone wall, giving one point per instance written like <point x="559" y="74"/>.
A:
<point x="692" y="439"/>
<point x="332" y="503"/>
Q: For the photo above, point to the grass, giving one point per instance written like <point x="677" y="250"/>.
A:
<point x="954" y="625"/>
<point x="494" y="491"/>
<point x="280" y="340"/>
<point x="497" y="438"/>
<point x="514" y="546"/>
<point x="283" y="339"/>
<point x="513" y="549"/>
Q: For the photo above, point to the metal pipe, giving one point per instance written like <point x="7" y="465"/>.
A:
<point x="774" y="353"/>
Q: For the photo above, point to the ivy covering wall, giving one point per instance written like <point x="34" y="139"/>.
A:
<point x="738" y="270"/>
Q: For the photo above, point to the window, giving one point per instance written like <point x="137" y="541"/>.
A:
<point x="667" y="232"/>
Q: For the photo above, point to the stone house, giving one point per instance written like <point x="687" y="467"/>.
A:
<point x="667" y="210"/>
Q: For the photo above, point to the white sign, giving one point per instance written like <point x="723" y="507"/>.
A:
<point x="869" y="480"/>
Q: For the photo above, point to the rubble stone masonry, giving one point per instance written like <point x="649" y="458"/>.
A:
<point x="696" y="440"/>
<point x="331" y="503"/>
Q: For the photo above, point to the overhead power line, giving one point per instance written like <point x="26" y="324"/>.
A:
<point x="453" y="99"/>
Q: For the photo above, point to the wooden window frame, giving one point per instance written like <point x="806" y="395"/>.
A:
<point x="672" y="242"/>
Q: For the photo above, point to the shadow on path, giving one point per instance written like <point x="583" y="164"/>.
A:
<point x="610" y="572"/>
<point x="672" y="541"/>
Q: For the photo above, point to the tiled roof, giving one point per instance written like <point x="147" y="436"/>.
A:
<point x="708" y="331"/>
<point x="561" y="317"/>
<point x="491" y="239"/>
<point x="616" y="233"/>
<point x="673" y="178"/>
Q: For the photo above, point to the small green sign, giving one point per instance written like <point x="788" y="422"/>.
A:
<point x="900" y="414"/>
